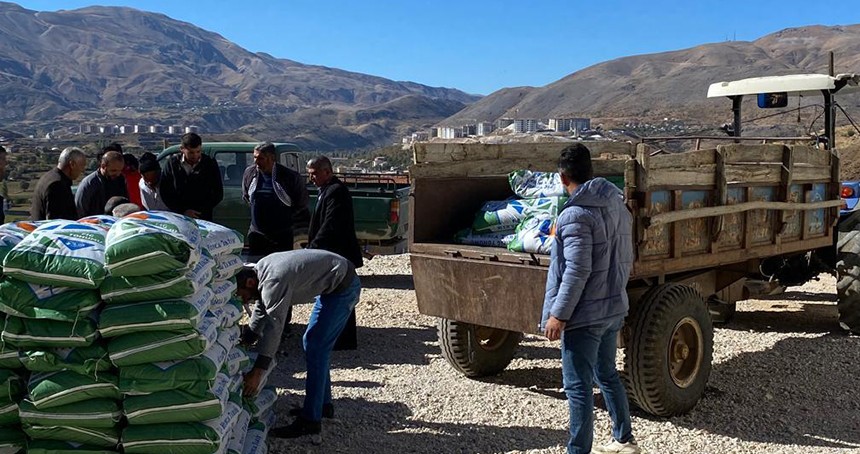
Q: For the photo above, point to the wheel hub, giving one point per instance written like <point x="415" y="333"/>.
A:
<point x="490" y="338"/>
<point x="686" y="350"/>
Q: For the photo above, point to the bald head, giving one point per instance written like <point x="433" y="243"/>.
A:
<point x="111" y="165"/>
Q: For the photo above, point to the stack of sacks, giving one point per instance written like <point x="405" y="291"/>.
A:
<point x="256" y="418"/>
<point x="12" y="233"/>
<point x="169" y="348"/>
<point x="51" y="303"/>
<point x="12" y="438"/>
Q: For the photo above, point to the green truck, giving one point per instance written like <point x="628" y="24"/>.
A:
<point x="380" y="201"/>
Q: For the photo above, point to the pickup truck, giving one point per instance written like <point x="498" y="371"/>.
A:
<point x="380" y="201"/>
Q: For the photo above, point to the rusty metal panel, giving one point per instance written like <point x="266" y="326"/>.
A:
<point x="762" y="220"/>
<point x="732" y="236"/>
<point x="794" y="219"/>
<point x="696" y="233"/>
<point x="656" y="241"/>
<point x="487" y="293"/>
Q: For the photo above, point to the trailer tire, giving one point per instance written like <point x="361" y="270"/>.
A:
<point x="669" y="350"/>
<point x="474" y="350"/>
<point x="848" y="280"/>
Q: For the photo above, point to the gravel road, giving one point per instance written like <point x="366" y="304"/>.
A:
<point x="785" y="380"/>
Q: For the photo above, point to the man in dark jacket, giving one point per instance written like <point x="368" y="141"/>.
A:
<point x="586" y="299"/>
<point x="276" y="195"/>
<point x="191" y="181"/>
<point x="2" y="178"/>
<point x="98" y="187"/>
<point x="53" y="198"/>
<point x="332" y="228"/>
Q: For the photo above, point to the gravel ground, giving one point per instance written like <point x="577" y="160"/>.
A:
<point x="785" y="380"/>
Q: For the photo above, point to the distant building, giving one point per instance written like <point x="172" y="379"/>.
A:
<point x="420" y="136"/>
<point x="108" y="129"/>
<point x="434" y="132"/>
<point x="175" y="129"/>
<point x="525" y="125"/>
<point x="192" y="128"/>
<point x="504" y="122"/>
<point x="485" y="128"/>
<point x="139" y="129"/>
<point x="126" y="129"/>
<point x="450" y="133"/>
<point x="156" y="129"/>
<point x="87" y="129"/>
<point x="569" y="124"/>
<point x="469" y="130"/>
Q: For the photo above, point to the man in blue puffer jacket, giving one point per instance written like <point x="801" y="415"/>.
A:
<point x="586" y="299"/>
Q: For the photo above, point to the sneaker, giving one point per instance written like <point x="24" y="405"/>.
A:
<point x="299" y="428"/>
<point x="327" y="411"/>
<point x="616" y="447"/>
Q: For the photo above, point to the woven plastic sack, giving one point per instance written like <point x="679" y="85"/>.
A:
<point x="196" y="437"/>
<point x="237" y="435"/>
<point x="156" y="346"/>
<point x="228" y="266"/>
<point x="530" y="184"/>
<point x="94" y="413"/>
<point x="233" y="313"/>
<point x="255" y="438"/>
<point x="505" y="216"/>
<point x="182" y="374"/>
<point x="490" y="239"/>
<point x="88" y="360"/>
<point x="223" y="291"/>
<point x="147" y="243"/>
<point x="238" y="361"/>
<point x="54" y="389"/>
<point x="229" y="337"/>
<point x="180" y="315"/>
<point x="173" y="406"/>
<point x="220" y="240"/>
<point x="11" y="233"/>
<point x="170" y="284"/>
<point x="102" y="220"/>
<point x="64" y="447"/>
<point x="60" y="253"/>
<point x="10" y="357"/>
<point x="261" y="404"/>
<point x="9" y="411"/>
<point x="11" y="385"/>
<point x="102" y="437"/>
<point x="23" y="299"/>
<point x="536" y="234"/>
<point x="12" y="440"/>
<point x="32" y="333"/>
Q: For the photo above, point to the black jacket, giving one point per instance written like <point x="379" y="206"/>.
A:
<point x="53" y="198"/>
<point x="201" y="190"/>
<point x="289" y="187"/>
<point x="332" y="226"/>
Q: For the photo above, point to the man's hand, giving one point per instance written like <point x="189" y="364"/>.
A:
<point x="192" y="214"/>
<point x="553" y="329"/>
<point x="252" y="382"/>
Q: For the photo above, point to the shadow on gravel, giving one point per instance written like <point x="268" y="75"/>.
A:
<point x="374" y="427"/>
<point x="809" y="318"/>
<point x="799" y="296"/>
<point x="388" y="281"/>
<point x="540" y="380"/>
<point x="802" y="391"/>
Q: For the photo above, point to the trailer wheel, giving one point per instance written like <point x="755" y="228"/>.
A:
<point x="474" y="350"/>
<point x="668" y="357"/>
<point x="848" y="280"/>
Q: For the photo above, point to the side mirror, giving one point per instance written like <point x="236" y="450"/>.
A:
<point x="772" y="100"/>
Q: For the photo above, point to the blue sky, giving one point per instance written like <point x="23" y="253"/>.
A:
<point x="474" y="45"/>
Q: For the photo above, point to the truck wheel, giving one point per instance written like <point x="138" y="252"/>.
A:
<point x="474" y="350"/>
<point x="668" y="356"/>
<point x="848" y="280"/>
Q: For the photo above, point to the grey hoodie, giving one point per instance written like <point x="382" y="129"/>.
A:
<point x="591" y="258"/>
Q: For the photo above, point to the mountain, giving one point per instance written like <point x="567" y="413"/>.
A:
<point x="115" y="65"/>
<point x="673" y="84"/>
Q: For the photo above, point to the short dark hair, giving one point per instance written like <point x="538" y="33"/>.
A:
<point x="191" y="140"/>
<point x="320" y="162"/>
<point x="130" y="161"/>
<point x="266" y="148"/>
<point x="148" y="163"/>
<point x="113" y="146"/>
<point x="247" y="272"/>
<point x="575" y="163"/>
<point x="114" y="202"/>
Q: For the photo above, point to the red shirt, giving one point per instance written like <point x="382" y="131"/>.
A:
<point x="132" y="179"/>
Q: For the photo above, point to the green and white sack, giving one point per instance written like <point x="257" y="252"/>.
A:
<point x="157" y="346"/>
<point x="220" y="240"/>
<point x="55" y="389"/>
<point x="232" y="313"/>
<point x="102" y="438"/>
<point x="9" y="412"/>
<point x="88" y="360"/>
<point x="32" y="333"/>
<point x="182" y="374"/>
<point x="531" y="184"/>
<point x="255" y="438"/>
<point x="262" y="403"/>
<point x="223" y="291"/>
<point x="238" y="361"/>
<point x="102" y="220"/>
<point x="179" y="315"/>
<point x="147" y="243"/>
<point x="167" y="285"/>
<point x="536" y="234"/>
<point x="64" y="447"/>
<point x="11" y="233"/>
<point x="60" y="253"/>
<point x="95" y="413"/>
<point x="506" y="215"/>
<point x="228" y="266"/>
<point x="195" y="437"/>
<point x="174" y="406"/>
<point x="10" y="357"/>
<point x="12" y="440"/>
<point x="26" y="300"/>
<point x="11" y="385"/>
<point x="239" y="432"/>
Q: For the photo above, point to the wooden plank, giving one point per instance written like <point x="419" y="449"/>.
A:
<point x="498" y="167"/>
<point x="720" y="195"/>
<point x="748" y="227"/>
<point x="751" y="153"/>
<point x="685" y="160"/>
<point x="675" y="216"/>
<point x="677" y="233"/>
<point x="643" y="165"/>
<point x="784" y="190"/>
<point x="805" y="154"/>
<point x="426" y="152"/>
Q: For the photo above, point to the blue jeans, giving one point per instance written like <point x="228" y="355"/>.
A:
<point x="327" y="320"/>
<point x="588" y="355"/>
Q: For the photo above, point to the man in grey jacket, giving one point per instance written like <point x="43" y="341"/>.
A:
<point x="276" y="283"/>
<point x="586" y="299"/>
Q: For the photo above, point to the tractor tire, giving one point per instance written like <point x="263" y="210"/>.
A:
<point x="474" y="350"/>
<point x="848" y="280"/>
<point x="669" y="350"/>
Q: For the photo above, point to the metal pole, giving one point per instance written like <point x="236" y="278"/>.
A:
<point x="829" y="120"/>
<point x="832" y="65"/>
<point x="736" y="110"/>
